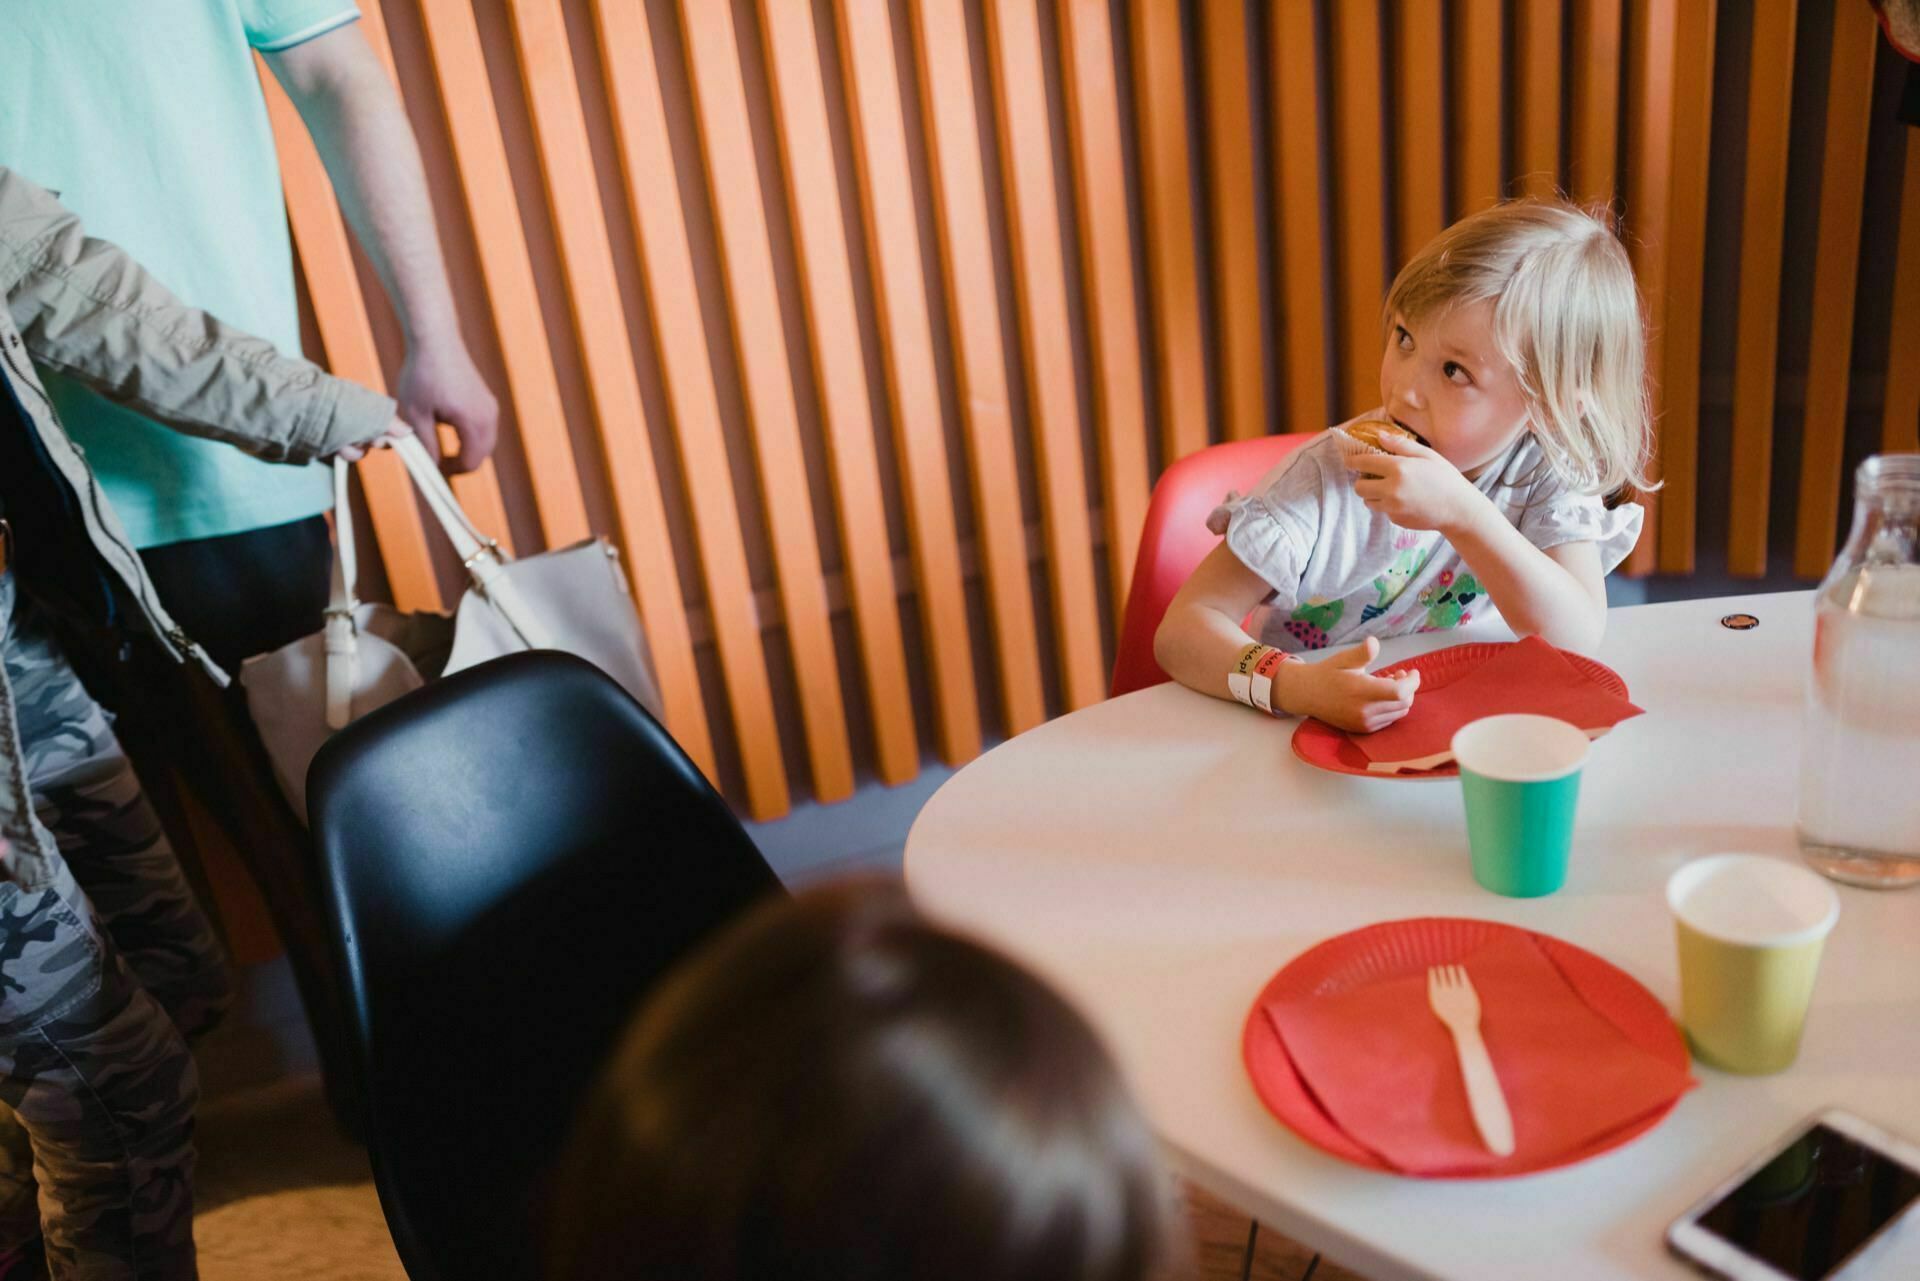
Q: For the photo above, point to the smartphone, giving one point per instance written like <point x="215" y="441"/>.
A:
<point x="1831" y="1201"/>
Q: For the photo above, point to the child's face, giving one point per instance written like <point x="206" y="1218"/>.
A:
<point x="1444" y="380"/>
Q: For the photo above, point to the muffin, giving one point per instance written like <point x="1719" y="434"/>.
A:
<point x="1362" y="435"/>
<point x="1368" y="432"/>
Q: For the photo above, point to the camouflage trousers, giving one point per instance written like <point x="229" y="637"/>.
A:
<point x="106" y="966"/>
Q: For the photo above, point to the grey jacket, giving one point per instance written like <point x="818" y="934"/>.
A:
<point x="83" y="307"/>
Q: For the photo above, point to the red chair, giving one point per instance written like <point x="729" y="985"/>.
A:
<point x="1174" y="540"/>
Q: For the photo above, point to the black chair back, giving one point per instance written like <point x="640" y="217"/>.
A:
<point x="512" y="856"/>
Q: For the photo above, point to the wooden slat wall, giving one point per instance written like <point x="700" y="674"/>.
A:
<point x="1106" y="264"/>
<point x="733" y="185"/>
<point x="1359" y="203"/>
<point x="1843" y="175"/>
<point x="1300" y="187"/>
<point x="1478" y="45"/>
<point x="1594" y="69"/>
<point x="792" y="51"/>
<point x="980" y="340"/>
<point x="1236" y="228"/>
<point x="1763" y="227"/>
<point x="513" y="297"/>
<point x="875" y="105"/>
<point x="944" y="284"/>
<point x="1040" y="284"/>
<point x="1537" y="93"/>
<point x="1420" y="123"/>
<point x="1173" y="307"/>
<point x="1677" y="324"/>
<point x="1900" y="419"/>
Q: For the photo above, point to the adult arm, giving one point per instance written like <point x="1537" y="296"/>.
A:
<point x="86" y="308"/>
<point x="361" y="131"/>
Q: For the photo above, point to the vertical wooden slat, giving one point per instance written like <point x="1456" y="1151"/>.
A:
<point x="1595" y="67"/>
<point x="1160" y="90"/>
<point x="1653" y="64"/>
<point x="1843" y="175"/>
<point x="600" y="328"/>
<point x="792" y="50"/>
<point x="473" y="124"/>
<point x="1106" y="269"/>
<point x="981" y="340"/>
<point x="1302" y="238"/>
<point x="1360" y="199"/>
<point x="1757" y="318"/>
<point x="1479" y="114"/>
<point x="1420" y="124"/>
<point x="1900" y="427"/>
<point x="760" y="342"/>
<point x="478" y="490"/>
<point x="672" y="293"/>
<point x="1686" y="283"/>
<point x="326" y="260"/>
<point x="1040" y="281"/>
<point x="893" y="244"/>
<point x="1537" y="71"/>
<point x="1228" y="92"/>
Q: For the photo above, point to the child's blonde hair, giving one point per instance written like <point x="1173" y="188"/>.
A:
<point x="1566" y="316"/>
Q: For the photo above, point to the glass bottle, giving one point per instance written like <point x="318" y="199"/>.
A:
<point x="1860" y="750"/>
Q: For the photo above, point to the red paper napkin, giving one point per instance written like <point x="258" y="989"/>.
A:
<point x="1529" y="676"/>
<point x="1383" y="1066"/>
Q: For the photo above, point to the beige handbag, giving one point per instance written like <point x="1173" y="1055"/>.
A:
<point x="573" y="599"/>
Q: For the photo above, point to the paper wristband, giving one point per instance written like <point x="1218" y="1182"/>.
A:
<point x="1250" y="680"/>
<point x="1263" y="671"/>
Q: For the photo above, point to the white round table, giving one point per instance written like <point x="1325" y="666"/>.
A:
<point x="1159" y="856"/>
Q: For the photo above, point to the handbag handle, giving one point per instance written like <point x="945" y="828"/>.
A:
<point x="484" y="561"/>
<point x="482" y="557"/>
<point x="342" y="648"/>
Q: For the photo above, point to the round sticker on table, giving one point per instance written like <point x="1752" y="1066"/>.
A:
<point x="1740" y="622"/>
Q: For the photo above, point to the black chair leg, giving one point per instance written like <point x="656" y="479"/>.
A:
<point x="1312" y="1267"/>
<point x="1246" y="1261"/>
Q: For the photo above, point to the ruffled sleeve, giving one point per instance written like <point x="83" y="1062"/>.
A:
<point x="1566" y="517"/>
<point x="1272" y="530"/>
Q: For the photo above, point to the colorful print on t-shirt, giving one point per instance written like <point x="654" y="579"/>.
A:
<point x="1448" y="599"/>
<point x="1314" y="621"/>
<point x="1406" y="566"/>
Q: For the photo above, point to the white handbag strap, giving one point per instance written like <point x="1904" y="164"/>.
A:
<point x="342" y="650"/>
<point x="482" y="556"/>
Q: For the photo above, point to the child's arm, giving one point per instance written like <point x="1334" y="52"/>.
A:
<point x="1559" y="595"/>
<point x="1200" y="638"/>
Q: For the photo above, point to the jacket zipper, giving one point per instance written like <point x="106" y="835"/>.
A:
<point x="179" y="643"/>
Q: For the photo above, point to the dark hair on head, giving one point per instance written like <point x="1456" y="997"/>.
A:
<point x="838" y="1089"/>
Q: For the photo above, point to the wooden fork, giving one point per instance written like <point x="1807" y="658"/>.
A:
<point x="1450" y="993"/>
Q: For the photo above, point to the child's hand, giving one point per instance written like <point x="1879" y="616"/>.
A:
<point x="1413" y="486"/>
<point x="1339" y="691"/>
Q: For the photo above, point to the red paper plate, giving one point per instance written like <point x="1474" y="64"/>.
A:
<point x="1395" y="948"/>
<point x="1324" y="747"/>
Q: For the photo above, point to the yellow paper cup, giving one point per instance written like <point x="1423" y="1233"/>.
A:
<point x="1750" y="931"/>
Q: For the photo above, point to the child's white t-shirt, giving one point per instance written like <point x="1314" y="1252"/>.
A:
<point x="1340" y="571"/>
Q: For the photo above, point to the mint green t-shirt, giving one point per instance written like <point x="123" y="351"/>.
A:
<point x="146" y="116"/>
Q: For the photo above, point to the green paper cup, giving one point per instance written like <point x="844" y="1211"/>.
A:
<point x="1520" y="777"/>
<point x="1750" y="932"/>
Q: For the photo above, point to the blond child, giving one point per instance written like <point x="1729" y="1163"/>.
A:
<point x="1515" y="358"/>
